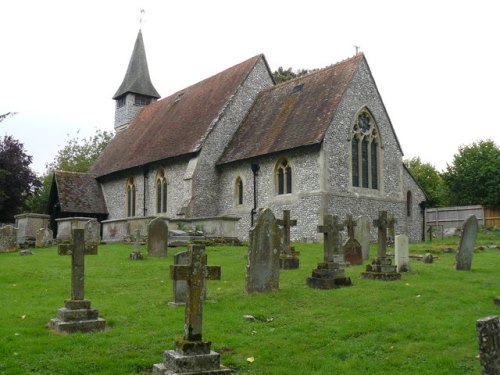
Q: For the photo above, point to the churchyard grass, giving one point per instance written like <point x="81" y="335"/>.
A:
<point x="423" y="324"/>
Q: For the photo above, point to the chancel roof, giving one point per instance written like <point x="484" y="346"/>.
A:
<point x="292" y="114"/>
<point x="174" y="126"/>
<point x="79" y="193"/>
<point x="137" y="78"/>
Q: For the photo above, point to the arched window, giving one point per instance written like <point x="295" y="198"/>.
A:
<point x="239" y="191"/>
<point x="130" y="197"/>
<point x="365" y="150"/>
<point x="161" y="192"/>
<point x="408" y="203"/>
<point x="283" y="177"/>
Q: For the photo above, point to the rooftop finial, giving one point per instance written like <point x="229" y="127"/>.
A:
<point x="357" y="49"/>
<point x="141" y="18"/>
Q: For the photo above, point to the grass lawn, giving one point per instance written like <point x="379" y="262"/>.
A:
<point x="423" y="324"/>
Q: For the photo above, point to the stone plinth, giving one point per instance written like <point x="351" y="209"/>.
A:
<point x="328" y="275"/>
<point x="77" y="316"/>
<point x="488" y="335"/>
<point x="381" y="269"/>
<point x="289" y="262"/>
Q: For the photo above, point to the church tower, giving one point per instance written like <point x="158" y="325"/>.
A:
<point x="136" y="90"/>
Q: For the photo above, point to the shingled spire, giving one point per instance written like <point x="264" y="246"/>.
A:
<point x="136" y="90"/>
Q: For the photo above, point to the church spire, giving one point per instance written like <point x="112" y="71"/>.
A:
<point x="136" y="90"/>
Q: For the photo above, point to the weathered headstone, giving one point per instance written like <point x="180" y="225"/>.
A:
<point x="157" y="237"/>
<point x="329" y="274"/>
<point x="76" y="315"/>
<point x="352" y="248"/>
<point x="92" y="231"/>
<point x="362" y="234"/>
<point x="427" y="258"/>
<point x="136" y="253"/>
<point x="381" y="267"/>
<point x="263" y="268"/>
<point x="488" y="332"/>
<point x="192" y="355"/>
<point x="391" y="231"/>
<point x="8" y="239"/>
<point x="402" y="253"/>
<point x="180" y="286"/>
<point x="289" y="258"/>
<point x="44" y="237"/>
<point x="467" y="243"/>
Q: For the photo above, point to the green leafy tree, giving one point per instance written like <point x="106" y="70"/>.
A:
<point x="77" y="155"/>
<point x="282" y="75"/>
<point x="474" y="176"/>
<point x="17" y="180"/>
<point x="429" y="180"/>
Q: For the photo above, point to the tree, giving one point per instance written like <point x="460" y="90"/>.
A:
<point x="282" y="75"/>
<point x="474" y="176"/>
<point x="429" y="180"/>
<point x="77" y="155"/>
<point x="5" y="115"/>
<point x="17" y="180"/>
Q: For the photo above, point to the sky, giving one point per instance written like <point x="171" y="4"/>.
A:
<point x="435" y="62"/>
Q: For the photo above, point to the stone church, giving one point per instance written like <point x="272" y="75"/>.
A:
<point x="211" y="155"/>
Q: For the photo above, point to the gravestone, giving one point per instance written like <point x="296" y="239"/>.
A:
<point x="136" y="253"/>
<point x="391" y="232"/>
<point x="180" y="286"/>
<point x="76" y="315"/>
<point x="44" y="237"/>
<point x="427" y="258"/>
<point x="192" y="355"/>
<point x="381" y="267"/>
<point x="157" y="237"/>
<point x="263" y="262"/>
<point x="352" y="248"/>
<point x="8" y="239"/>
<point x="289" y="258"/>
<point x="92" y="232"/>
<point x="467" y="243"/>
<point x="329" y="274"/>
<point x="402" y="253"/>
<point x="362" y="234"/>
<point x="488" y="332"/>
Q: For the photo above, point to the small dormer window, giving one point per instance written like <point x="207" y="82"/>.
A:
<point x="142" y="100"/>
<point x="120" y="102"/>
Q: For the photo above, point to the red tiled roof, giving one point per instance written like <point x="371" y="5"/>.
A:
<point x="174" y="126"/>
<point x="293" y="114"/>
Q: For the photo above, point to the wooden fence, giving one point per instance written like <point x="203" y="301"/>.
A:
<point x="453" y="217"/>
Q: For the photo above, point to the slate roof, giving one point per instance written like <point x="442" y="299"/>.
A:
<point x="293" y="114"/>
<point x="137" y="78"/>
<point x="174" y="126"/>
<point x="79" y="193"/>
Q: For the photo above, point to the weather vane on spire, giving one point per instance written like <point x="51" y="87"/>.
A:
<point x="141" y="18"/>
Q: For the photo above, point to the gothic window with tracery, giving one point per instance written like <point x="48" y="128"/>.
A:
<point x="130" y="197"/>
<point x="365" y="150"/>
<point x="161" y="192"/>
<point x="283" y="177"/>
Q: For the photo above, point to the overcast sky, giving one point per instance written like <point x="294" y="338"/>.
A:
<point x="435" y="62"/>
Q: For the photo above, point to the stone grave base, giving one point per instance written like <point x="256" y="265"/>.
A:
<point x="289" y="262"/>
<point x="328" y="275"/>
<point x="136" y="255"/>
<point x="77" y="316"/>
<point x="381" y="269"/>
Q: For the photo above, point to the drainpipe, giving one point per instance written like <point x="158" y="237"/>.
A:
<point x="145" y="208"/>
<point x="255" y="171"/>
<point x="423" y="205"/>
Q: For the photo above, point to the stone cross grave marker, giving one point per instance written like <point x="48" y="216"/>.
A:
<point x="180" y="287"/>
<point x="192" y="354"/>
<point x="136" y="253"/>
<point x="76" y="315"/>
<point x="8" y="239"/>
<point x="467" y="243"/>
<point x="351" y="248"/>
<point x="362" y="234"/>
<point x="157" y="237"/>
<point x="287" y="224"/>
<point x="331" y="236"/>
<point x="488" y="331"/>
<point x="401" y="253"/>
<point x="263" y="262"/>
<point x="391" y="231"/>
<point x="381" y="223"/>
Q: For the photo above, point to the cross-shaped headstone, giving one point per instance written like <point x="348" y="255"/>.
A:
<point x="77" y="264"/>
<point x="286" y="223"/>
<point x="381" y="223"/>
<point x="331" y="236"/>
<point x="350" y="223"/>
<point x="194" y="273"/>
